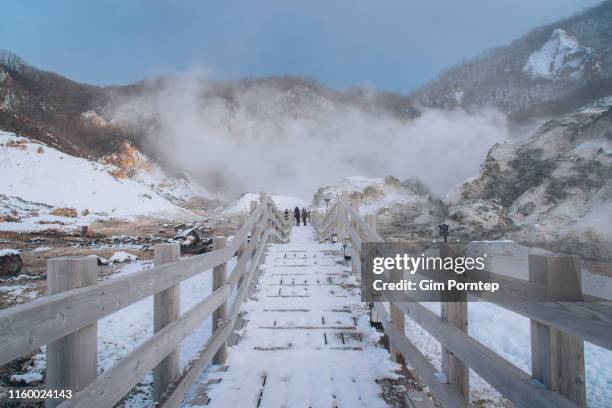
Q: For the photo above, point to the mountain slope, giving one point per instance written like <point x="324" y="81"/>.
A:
<point x="552" y="70"/>
<point x="41" y="185"/>
<point x="86" y="120"/>
<point x="552" y="190"/>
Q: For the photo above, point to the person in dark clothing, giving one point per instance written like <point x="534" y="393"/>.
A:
<point x="286" y="214"/>
<point x="304" y="215"/>
<point x="296" y="215"/>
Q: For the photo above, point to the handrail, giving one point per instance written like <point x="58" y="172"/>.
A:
<point x="590" y="321"/>
<point x="37" y="321"/>
<point x="52" y="317"/>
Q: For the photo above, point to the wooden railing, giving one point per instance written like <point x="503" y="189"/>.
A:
<point x="558" y="329"/>
<point x="66" y="319"/>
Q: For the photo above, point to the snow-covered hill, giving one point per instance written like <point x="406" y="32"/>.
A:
<point x="560" y="57"/>
<point x="550" y="71"/>
<point x="552" y="190"/>
<point x="41" y="185"/>
<point x="130" y="163"/>
<point x="243" y="204"/>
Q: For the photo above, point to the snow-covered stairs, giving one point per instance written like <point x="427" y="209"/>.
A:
<point x="307" y="341"/>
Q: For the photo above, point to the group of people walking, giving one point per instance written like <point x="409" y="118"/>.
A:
<point x="304" y="215"/>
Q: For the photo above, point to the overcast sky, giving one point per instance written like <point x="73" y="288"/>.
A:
<point x="391" y="45"/>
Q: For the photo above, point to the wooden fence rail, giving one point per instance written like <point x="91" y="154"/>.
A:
<point x="66" y="319"/>
<point x="558" y="329"/>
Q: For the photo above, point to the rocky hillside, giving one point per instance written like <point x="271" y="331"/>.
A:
<point x="48" y="107"/>
<point x="552" y="70"/>
<point x="552" y="190"/>
<point x="404" y="209"/>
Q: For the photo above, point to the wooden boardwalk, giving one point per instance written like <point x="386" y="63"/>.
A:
<point x="306" y="341"/>
<point x="301" y="335"/>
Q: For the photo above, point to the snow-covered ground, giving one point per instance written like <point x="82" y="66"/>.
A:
<point x="243" y="204"/>
<point x="36" y="179"/>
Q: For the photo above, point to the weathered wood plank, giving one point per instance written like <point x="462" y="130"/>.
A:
<point x="241" y="236"/>
<point x="195" y="368"/>
<point x="166" y="309"/>
<point x="220" y="314"/>
<point x="557" y="358"/>
<point x="72" y="360"/>
<point x="590" y="320"/>
<point x="454" y="310"/>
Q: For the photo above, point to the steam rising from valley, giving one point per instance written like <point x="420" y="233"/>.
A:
<point x="291" y="142"/>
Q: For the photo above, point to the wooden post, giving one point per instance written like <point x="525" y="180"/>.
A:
<point x="166" y="309"/>
<point x="72" y="359"/>
<point x="557" y="358"/>
<point x="397" y="320"/>
<point x="219" y="315"/>
<point x="356" y="203"/>
<point x="242" y="247"/>
<point x="454" y="310"/>
<point x="242" y="220"/>
<point x="253" y="206"/>
<point x="371" y="221"/>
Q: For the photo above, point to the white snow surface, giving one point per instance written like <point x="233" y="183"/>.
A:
<point x="243" y="204"/>
<point x="51" y="178"/>
<point x="562" y="55"/>
<point x="8" y="251"/>
<point x="121" y="257"/>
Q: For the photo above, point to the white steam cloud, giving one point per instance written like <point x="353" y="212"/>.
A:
<point x="294" y="142"/>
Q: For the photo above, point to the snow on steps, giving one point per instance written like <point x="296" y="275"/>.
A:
<point x="307" y="341"/>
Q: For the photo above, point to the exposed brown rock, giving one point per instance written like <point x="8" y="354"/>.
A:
<point x="10" y="265"/>
<point x="64" y="212"/>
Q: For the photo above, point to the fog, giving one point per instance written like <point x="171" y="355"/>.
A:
<point x="294" y="142"/>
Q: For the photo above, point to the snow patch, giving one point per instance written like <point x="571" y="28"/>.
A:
<point x="121" y="257"/>
<point x="8" y="251"/>
<point x="561" y="56"/>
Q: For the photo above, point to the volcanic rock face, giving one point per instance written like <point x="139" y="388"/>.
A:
<point x="552" y="190"/>
<point x="403" y="209"/>
<point x="128" y="160"/>
<point x="10" y="263"/>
